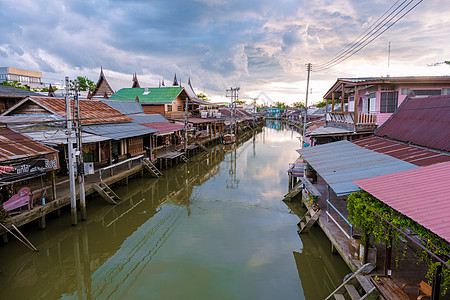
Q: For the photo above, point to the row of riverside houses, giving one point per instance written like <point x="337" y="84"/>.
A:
<point x="122" y="129"/>
<point x="386" y="157"/>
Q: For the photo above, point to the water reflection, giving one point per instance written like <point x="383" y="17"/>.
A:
<point x="215" y="227"/>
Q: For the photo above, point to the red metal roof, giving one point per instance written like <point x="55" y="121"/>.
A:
<point x="421" y="194"/>
<point x="164" y="127"/>
<point x="415" y="155"/>
<point x="421" y="121"/>
<point x="91" y="111"/>
<point x="15" y="146"/>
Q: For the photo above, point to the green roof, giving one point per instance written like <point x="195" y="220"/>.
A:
<point x="153" y="95"/>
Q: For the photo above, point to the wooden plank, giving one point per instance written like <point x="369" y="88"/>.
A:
<point x="364" y="282"/>
<point x="352" y="292"/>
<point x="339" y="297"/>
<point x="310" y="187"/>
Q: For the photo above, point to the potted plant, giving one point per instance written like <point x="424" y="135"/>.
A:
<point x="377" y="279"/>
<point x="314" y="202"/>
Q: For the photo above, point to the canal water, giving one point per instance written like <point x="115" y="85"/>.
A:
<point x="215" y="228"/>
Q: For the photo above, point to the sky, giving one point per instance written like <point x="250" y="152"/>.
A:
<point x="261" y="46"/>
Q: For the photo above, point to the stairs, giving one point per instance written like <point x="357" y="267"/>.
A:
<point x="151" y="168"/>
<point x="357" y="287"/>
<point x="106" y="192"/>
<point x="308" y="220"/>
<point x="202" y="146"/>
<point x="184" y="158"/>
<point x="294" y="192"/>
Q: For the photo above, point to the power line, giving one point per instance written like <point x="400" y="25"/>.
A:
<point x="368" y="38"/>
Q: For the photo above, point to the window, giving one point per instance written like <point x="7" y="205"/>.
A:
<point x="179" y="108"/>
<point x="427" y="92"/>
<point x="388" y="102"/>
<point x="169" y="107"/>
<point x="405" y="91"/>
<point x="446" y="91"/>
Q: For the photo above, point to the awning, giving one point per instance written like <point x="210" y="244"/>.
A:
<point x="119" y="130"/>
<point x="341" y="163"/>
<point x="422" y="194"/>
<point x="59" y="136"/>
<point x="164" y="127"/>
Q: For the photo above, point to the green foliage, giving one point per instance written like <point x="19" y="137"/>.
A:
<point x="203" y="97"/>
<point x="85" y="84"/>
<point x="280" y="105"/>
<point x="322" y="103"/>
<point x="15" y="84"/>
<point x="46" y="89"/>
<point x="299" y="104"/>
<point x="4" y="215"/>
<point x="361" y="207"/>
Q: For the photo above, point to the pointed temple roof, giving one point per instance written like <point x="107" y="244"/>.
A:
<point x="175" y="82"/>
<point x="135" y="82"/>
<point x="51" y="92"/>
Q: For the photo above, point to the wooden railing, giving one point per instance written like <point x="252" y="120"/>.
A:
<point x="348" y="117"/>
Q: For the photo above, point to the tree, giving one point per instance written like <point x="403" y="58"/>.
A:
<point x="203" y="97"/>
<point x="15" y="84"/>
<point x="240" y="102"/>
<point x="322" y="103"/>
<point x="298" y="104"/>
<point x="85" y="84"/>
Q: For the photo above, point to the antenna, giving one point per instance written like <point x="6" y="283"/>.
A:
<point x="389" y="57"/>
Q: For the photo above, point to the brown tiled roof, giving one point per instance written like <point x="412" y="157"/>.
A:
<point x="91" y="111"/>
<point x="15" y="146"/>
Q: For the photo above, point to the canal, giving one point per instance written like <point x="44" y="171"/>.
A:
<point x="214" y="228"/>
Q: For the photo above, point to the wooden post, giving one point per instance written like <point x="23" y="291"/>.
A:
<point x="436" y="288"/>
<point x="388" y="256"/>
<point x="5" y="238"/>
<point x="42" y="224"/>
<point x="333" y="95"/>
<point x="342" y="97"/>
<point x="53" y="186"/>
<point x="355" y="121"/>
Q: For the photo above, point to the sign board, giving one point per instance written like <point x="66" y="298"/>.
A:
<point x="89" y="168"/>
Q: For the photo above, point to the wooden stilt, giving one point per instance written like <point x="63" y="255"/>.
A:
<point x="42" y="224"/>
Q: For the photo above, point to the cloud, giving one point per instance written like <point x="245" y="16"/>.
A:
<point x="261" y="46"/>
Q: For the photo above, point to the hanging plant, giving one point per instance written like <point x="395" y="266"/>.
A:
<point x="361" y="207"/>
<point x="4" y="215"/>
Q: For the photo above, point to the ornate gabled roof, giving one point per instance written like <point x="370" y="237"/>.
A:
<point x="102" y="87"/>
<point x="51" y="92"/>
<point x="175" y="82"/>
<point x="135" y="82"/>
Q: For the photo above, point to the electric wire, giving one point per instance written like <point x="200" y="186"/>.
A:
<point x="370" y="38"/>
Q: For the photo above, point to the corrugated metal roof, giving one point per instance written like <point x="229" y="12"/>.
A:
<point x="164" y="127"/>
<point x="119" y="130"/>
<point x="6" y="91"/>
<point x="128" y="108"/>
<point x="422" y="194"/>
<point x="28" y="119"/>
<point x="91" y="111"/>
<point x="341" y="163"/>
<point x="15" y="146"/>
<point x="421" y="121"/>
<point x="58" y="137"/>
<point x="415" y="155"/>
<point x="149" y="118"/>
<point x="328" y="131"/>
<point x="152" y="96"/>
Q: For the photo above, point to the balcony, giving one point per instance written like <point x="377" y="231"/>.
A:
<point x="364" y="121"/>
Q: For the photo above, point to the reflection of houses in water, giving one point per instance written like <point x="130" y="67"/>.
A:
<point x="317" y="267"/>
<point x="275" y="124"/>
<point x="116" y="241"/>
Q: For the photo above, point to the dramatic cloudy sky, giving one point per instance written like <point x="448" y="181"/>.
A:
<point x="260" y="45"/>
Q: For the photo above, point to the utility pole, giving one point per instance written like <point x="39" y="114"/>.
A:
<point x="73" y="198"/>
<point x="233" y="96"/>
<point x="308" y="68"/>
<point x="79" y="152"/>
<point x="185" y="126"/>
